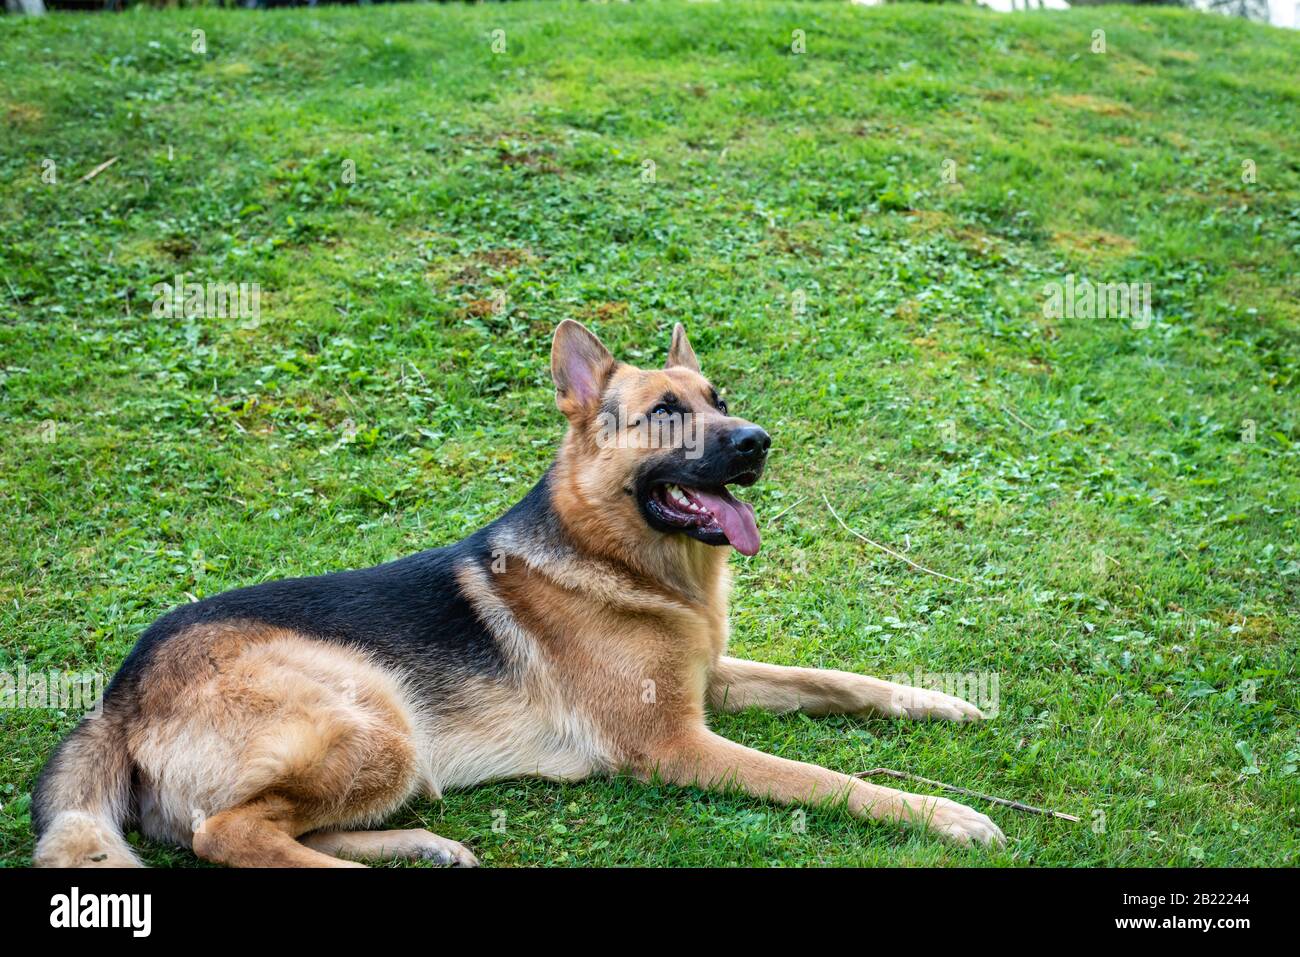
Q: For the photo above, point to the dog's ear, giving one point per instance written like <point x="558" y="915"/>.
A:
<point x="680" y="352"/>
<point x="580" y="367"/>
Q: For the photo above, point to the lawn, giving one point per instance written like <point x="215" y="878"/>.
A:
<point x="858" y="238"/>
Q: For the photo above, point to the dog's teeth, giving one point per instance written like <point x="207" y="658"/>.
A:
<point x="676" y="495"/>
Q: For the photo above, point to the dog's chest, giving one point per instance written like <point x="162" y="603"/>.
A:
<point x="610" y="678"/>
<point x="636" y="679"/>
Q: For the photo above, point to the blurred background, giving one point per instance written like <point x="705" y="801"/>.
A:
<point x="1279" y="13"/>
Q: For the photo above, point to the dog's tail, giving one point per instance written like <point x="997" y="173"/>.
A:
<point x="83" y="798"/>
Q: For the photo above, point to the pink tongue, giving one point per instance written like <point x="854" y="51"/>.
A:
<point x="735" y="517"/>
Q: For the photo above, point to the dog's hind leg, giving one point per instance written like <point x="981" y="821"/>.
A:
<point x="280" y="737"/>
<point x="316" y="771"/>
<point x="412" y="844"/>
<point x="259" y="834"/>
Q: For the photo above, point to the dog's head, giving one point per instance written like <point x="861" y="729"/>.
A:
<point x="655" y="450"/>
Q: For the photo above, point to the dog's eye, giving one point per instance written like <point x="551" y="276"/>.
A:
<point x="722" y="406"/>
<point x="661" y="409"/>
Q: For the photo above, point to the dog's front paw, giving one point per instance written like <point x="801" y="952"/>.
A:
<point x="921" y="704"/>
<point x="961" y="824"/>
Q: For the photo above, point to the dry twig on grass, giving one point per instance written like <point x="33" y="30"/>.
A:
<point x="1017" y="805"/>
<point x="886" y="549"/>
<point x="97" y="170"/>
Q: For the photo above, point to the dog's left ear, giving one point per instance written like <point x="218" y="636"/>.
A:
<point x="580" y="368"/>
<point x="680" y="352"/>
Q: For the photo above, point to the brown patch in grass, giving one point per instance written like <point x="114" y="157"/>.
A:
<point x="478" y="308"/>
<point x="1181" y="56"/>
<point x="467" y="276"/>
<point x="177" y="247"/>
<point x="473" y="273"/>
<point x="1093" y="104"/>
<point x="978" y="241"/>
<point x="533" y="159"/>
<point x="793" y="245"/>
<point x="606" y="311"/>
<point x="1135" y="68"/>
<point x="1094" y="243"/>
<point x="973" y="239"/>
<point x="880" y="129"/>
<point x="23" y="114"/>
<point x="929" y="219"/>
<point x="1253" y="629"/>
<point x="504" y="258"/>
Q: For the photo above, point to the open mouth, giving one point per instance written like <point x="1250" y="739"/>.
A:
<point x="712" y="515"/>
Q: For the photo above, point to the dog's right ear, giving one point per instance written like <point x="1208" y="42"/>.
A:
<point x="680" y="352"/>
<point x="580" y="367"/>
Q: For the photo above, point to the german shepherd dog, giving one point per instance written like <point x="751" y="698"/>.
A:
<point x="583" y="632"/>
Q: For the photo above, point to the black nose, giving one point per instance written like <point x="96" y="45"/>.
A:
<point x="750" y="441"/>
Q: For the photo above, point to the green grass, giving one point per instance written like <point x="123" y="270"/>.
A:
<point x="1131" y="561"/>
